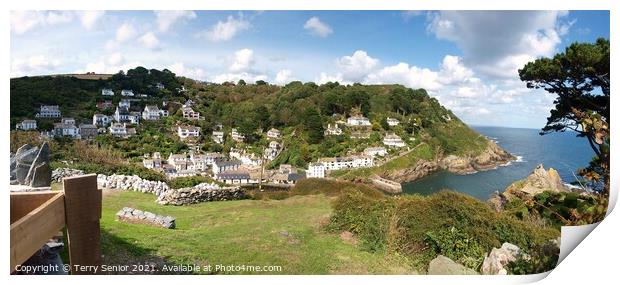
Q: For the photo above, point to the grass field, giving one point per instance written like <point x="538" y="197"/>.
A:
<point x="287" y="233"/>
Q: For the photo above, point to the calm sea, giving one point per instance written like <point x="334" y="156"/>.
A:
<point x="563" y="151"/>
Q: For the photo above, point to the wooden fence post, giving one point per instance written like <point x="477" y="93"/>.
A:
<point x="82" y="215"/>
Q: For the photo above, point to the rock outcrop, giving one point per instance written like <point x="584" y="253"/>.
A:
<point x="421" y="169"/>
<point x="538" y="181"/>
<point x="442" y="265"/>
<point x="30" y="166"/>
<point x="143" y="217"/>
<point x="204" y="192"/>
<point x="495" y="262"/>
<point x="490" y="158"/>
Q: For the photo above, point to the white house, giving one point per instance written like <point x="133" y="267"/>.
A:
<point x="336" y="163"/>
<point x="218" y="136"/>
<point x="190" y="114"/>
<point x="101" y="120"/>
<point x="127" y="93"/>
<point x="392" y="122"/>
<point x="393" y="140"/>
<point x="236" y="177"/>
<point x="236" y="136"/>
<point x="188" y="131"/>
<point x="333" y="130"/>
<point x="363" y="161"/>
<point x="358" y="121"/>
<point x="26" y="125"/>
<point x="124" y="103"/>
<point x="375" y="151"/>
<point x="121" y="114"/>
<point x="154" y="162"/>
<point x="159" y="86"/>
<point x="315" y="170"/>
<point x="151" y="113"/>
<point x="48" y="111"/>
<point x="273" y="133"/>
<point x="119" y="130"/>
<point x="107" y="92"/>
<point x="66" y="130"/>
<point x="225" y="166"/>
<point x="68" y="121"/>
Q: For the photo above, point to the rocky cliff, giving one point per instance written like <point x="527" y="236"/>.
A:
<point x="492" y="157"/>
<point x="540" y="180"/>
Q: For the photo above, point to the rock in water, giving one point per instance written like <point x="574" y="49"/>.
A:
<point x="40" y="173"/>
<point x="539" y="181"/>
<point x="442" y="265"/>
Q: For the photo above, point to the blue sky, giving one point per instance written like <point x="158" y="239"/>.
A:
<point x="467" y="60"/>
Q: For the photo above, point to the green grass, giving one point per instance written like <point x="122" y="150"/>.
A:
<point x="287" y="233"/>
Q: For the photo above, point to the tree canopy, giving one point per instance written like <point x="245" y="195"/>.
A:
<point x="580" y="77"/>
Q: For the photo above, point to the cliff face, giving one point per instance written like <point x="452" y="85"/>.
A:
<point x="490" y="158"/>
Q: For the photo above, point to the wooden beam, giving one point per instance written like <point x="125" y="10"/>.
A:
<point x="23" y="203"/>
<point x="82" y="213"/>
<point x="35" y="228"/>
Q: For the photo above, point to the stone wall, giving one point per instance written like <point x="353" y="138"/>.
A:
<point x="143" y="217"/>
<point x="203" y="192"/>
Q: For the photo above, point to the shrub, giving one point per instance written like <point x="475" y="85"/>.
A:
<point x="447" y="223"/>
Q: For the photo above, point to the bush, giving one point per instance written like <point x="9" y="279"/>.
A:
<point x="183" y="182"/>
<point x="447" y="223"/>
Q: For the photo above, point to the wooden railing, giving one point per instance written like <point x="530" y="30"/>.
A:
<point x="37" y="216"/>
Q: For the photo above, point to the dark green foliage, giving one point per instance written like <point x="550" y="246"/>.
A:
<point x="313" y="125"/>
<point x="182" y="182"/>
<point x="448" y="223"/>
<point x="580" y="77"/>
<point x="560" y="209"/>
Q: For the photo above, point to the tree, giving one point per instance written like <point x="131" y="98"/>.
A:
<point x="580" y="77"/>
<point x="313" y="125"/>
<point x="241" y="82"/>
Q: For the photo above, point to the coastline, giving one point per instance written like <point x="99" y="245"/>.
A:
<point x="491" y="158"/>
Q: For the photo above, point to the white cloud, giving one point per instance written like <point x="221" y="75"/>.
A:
<point x="453" y="70"/>
<point x="234" y="77"/>
<point x="150" y="41"/>
<point x="498" y="43"/>
<point x="23" y="21"/>
<point x="318" y="28"/>
<point x="194" y="73"/>
<point x="108" y="64"/>
<point x="357" y="66"/>
<point x="324" y="78"/>
<point x="167" y="19"/>
<point x="34" y="65"/>
<point x="124" y="33"/>
<point x="90" y="18"/>
<point x="283" y="77"/>
<point x="224" y="31"/>
<point x="411" y="76"/>
<point x="243" y="60"/>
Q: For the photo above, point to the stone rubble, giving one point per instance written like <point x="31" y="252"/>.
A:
<point x="138" y="216"/>
<point x="59" y="173"/>
<point x="133" y="183"/>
